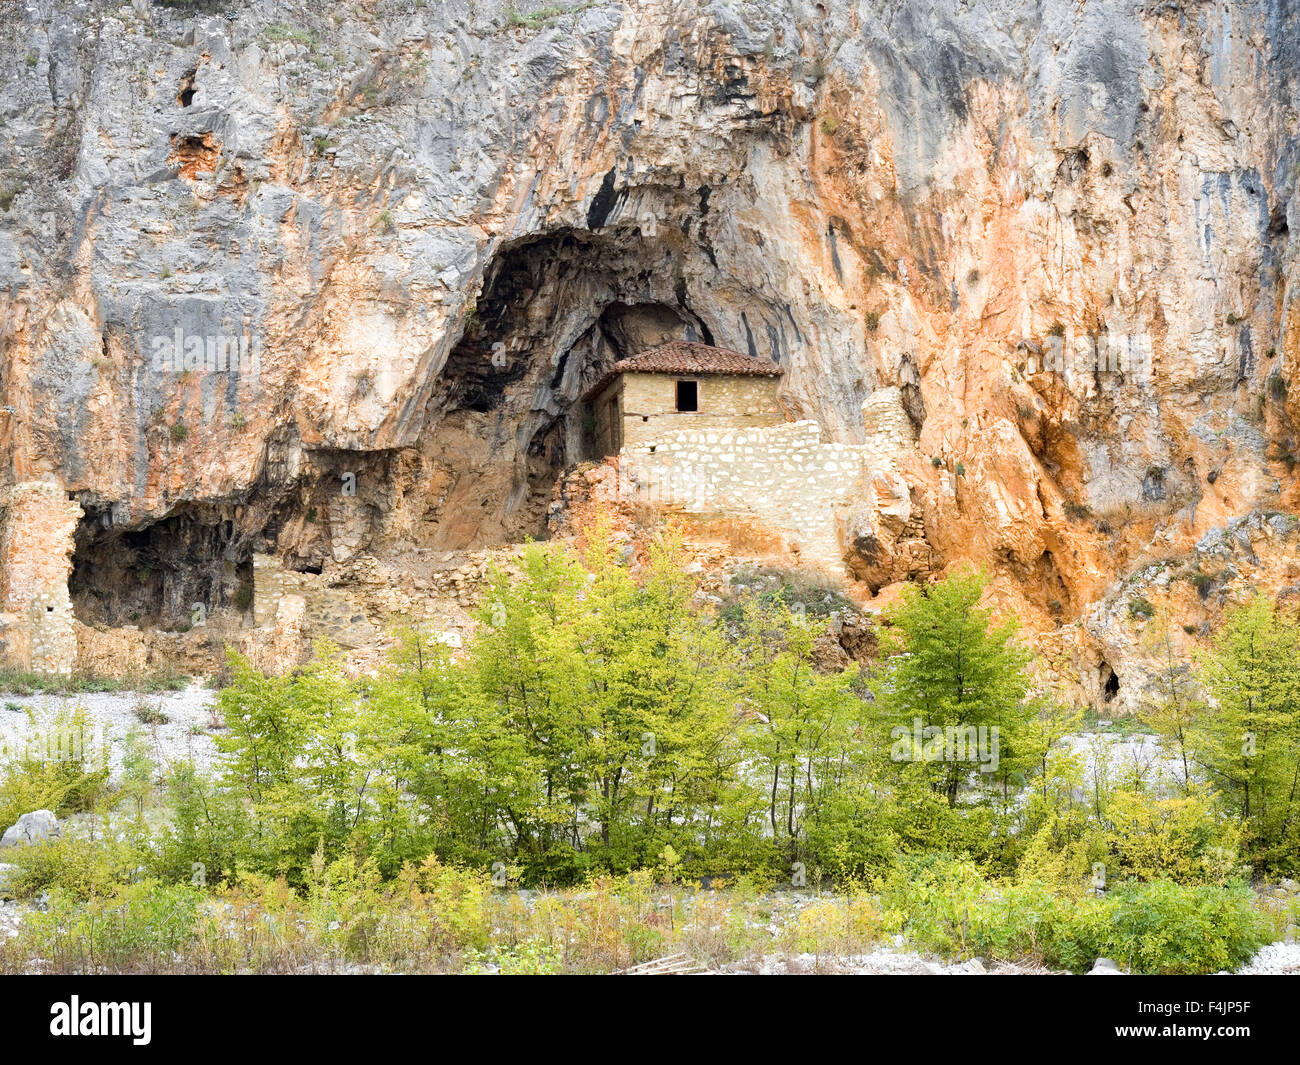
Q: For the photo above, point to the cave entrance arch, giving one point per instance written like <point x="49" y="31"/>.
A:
<point x="505" y="417"/>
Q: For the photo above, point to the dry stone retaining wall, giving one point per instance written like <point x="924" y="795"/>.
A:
<point x="784" y="475"/>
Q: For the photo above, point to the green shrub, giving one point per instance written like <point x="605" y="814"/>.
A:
<point x="138" y="928"/>
<point x="1184" y="839"/>
<point x="77" y="866"/>
<point x="148" y="714"/>
<point x="835" y="927"/>
<point x="947" y="906"/>
<point x="1140" y="607"/>
<point x="530" y="958"/>
<point x="1163" y="927"/>
<point x="60" y="769"/>
<point x="932" y="901"/>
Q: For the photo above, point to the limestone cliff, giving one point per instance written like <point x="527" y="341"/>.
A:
<point x="398" y="240"/>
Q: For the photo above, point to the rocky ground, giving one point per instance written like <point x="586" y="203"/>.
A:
<point x="175" y="726"/>
<point x="1277" y="959"/>
<point x="1274" y="960"/>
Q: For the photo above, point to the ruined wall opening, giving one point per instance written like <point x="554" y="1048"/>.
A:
<point x="153" y="576"/>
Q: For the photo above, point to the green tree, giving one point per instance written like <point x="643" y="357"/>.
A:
<point x="1171" y="703"/>
<point x="950" y="672"/>
<point x="804" y="725"/>
<point x="1248" y="739"/>
<point x="601" y="691"/>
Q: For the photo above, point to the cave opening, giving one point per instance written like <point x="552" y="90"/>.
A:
<point x="555" y="311"/>
<point x="1109" y="683"/>
<point x="164" y="575"/>
<point x="185" y="94"/>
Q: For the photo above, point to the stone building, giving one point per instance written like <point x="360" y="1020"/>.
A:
<point x="700" y="429"/>
<point x="37" y="629"/>
<point x="827" y="498"/>
<point x="681" y="385"/>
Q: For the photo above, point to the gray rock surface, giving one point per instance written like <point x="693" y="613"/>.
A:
<point x="34" y="827"/>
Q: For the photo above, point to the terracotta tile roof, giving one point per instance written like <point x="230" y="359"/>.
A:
<point x="687" y="357"/>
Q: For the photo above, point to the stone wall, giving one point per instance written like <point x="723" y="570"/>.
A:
<point x="37" y="629"/>
<point x="330" y="612"/>
<point x="353" y="603"/>
<point x="785" y="475"/>
<point x="886" y="536"/>
<point x="648" y="404"/>
<point x="888" y="431"/>
<point x="824" y="497"/>
<point x="606" y="411"/>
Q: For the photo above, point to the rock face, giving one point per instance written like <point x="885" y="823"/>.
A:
<point x="322" y="281"/>
<point x="34" y="827"/>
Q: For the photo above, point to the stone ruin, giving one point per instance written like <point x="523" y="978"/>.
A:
<point x="834" y="504"/>
<point x="37" y="627"/>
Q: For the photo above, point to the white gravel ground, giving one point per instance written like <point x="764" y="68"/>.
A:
<point x="1274" y="960"/>
<point x="187" y="735"/>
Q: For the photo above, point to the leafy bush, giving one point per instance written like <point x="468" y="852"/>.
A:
<point x="1140" y="607"/>
<point x="947" y="906"/>
<point x="139" y="928"/>
<point x="835" y="927"/>
<point x="933" y="901"/>
<point x="59" y="769"/>
<point x="77" y="865"/>
<point x="1182" y="839"/>
<point x="1163" y="927"/>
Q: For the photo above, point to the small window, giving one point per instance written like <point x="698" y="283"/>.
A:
<point x="688" y="395"/>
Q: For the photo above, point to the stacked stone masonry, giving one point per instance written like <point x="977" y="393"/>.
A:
<point x="638" y="408"/>
<point x="784" y="475"/>
<point x="351" y="603"/>
<point x="37" y="627"/>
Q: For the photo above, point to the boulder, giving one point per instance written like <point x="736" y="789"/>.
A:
<point x="1105" y="967"/>
<point x="31" y="828"/>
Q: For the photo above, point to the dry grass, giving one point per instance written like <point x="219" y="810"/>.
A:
<point x="443" y="922"/>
